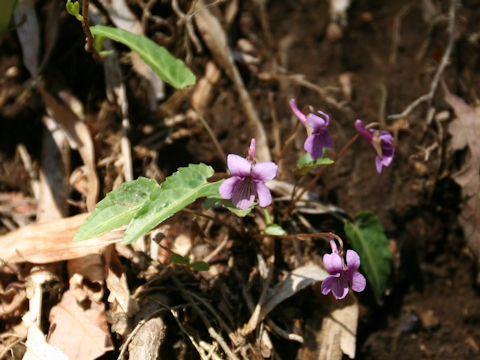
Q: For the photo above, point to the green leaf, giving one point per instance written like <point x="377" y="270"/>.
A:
<point x="117" y="208"/>
<point x="367" y="237"/>
<point x="215" y="199"/>
<point x="74" y="9"/>
<point x="239" y="212"/>
<point x="275" y="230"/>
<point x="305" y="164"/>
<point x="179" y="259"/>
<point x="169" y="68"/>
<point x="6" y="11"/>
<point x="211" y="201"/>
<point x="177" y="191"/>
<point x="200" y="266"/>
<point x="268" y="217"/>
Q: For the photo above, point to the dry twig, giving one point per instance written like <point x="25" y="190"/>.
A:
<point x="441" y="67"/>
<point x="397" y="23"/>
<point x="213" y="333"/>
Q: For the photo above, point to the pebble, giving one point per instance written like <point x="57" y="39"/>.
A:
<point x="12" y="72"/>
<point x="334" y="32"/>
<point x="409" y="322"/>
<point x="442" y="116"/>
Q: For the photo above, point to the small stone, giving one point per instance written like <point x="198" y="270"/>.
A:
<point x="366" y="16"/>
<point x="246" y="46"/>
<point x="12" y="72"/>
<point x="409" y="323"/>
<point x="442" y="116"/>
<point x="334" y="32"/>
<point x="420" y="168"/>
<point x="429" y="320"/>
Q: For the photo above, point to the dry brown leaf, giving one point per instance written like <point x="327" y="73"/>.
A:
<point x="29" y="34"/>
<point x="116" y="280"/>
<point x="465" y="130"/>
<point x="147" y="340"/>
<point x="53" y="9"/>
<point x="117" y="93"/>
<point x="90" y="268"/>
<point x="55" y="167"/>
<point x="182" y="245"/>
<point x="78" y="132"/>
<point x="339" y="330"/>
<point x="39" y="349"/>
<point x="11" y="300"/>
<point x="52" y="242"/>
<point x="215" y="38"/>
<point x="331" y="330"/>
<point x="297" y="280"/>
<point x="203" y="90"/>
<point x="80" y="331"/>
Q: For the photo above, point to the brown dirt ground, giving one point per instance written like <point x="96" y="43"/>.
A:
<point x="431" y="310"/>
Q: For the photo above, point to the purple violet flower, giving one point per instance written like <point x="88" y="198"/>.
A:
<point x="300" y="115"/>
<point x="342" y="276"/>
<point x="381" y="143"/>
<point x="248" y="180"/>
<point x="319" y="137"/>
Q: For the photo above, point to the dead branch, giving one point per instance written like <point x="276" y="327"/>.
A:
<point x="443" y="63"/>
<point x="213" y="333"/>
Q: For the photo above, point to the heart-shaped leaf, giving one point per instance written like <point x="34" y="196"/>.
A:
<point x="367" y="237"/>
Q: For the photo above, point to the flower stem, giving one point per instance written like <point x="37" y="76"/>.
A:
<point x="314" y="235"/>
<point x="90" y="47"/>
<point x="320" y="173"/>
<point x="289" y="140"/>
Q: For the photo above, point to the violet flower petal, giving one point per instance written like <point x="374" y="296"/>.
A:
<point x="324" y="138"/>
<point x="339" y="288"/>
<point x="333" y="245"/>
<point x="367" y="135"/>
<point x="263" y="193"/>
<point x="313" y="146"/>
<point x="252" y="148"/>
<point x="300" y="115"/>
<point x="238" y="165"/>
<point x="384" y="152"/>
<point x="328" y="282"/>
<point x="378" y="164"/>
<point x="264" y="171"/>
<point x="325" y="115"/>
<point x="317" y="123"/>
<point x="244" y="194"/>
<point x="228" y="186"/>
<point x="333" y="263"/>
<point x="388" y="151"/>
<point x="353" y="260"/>
<point x="357" y="281"/>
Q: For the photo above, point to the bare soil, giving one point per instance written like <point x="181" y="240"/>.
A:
<point x="431" y="309"/>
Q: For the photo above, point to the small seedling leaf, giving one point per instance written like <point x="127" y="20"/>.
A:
<point x="305" y="164"/>
<point x="179" y="259"/>
<point x="274" y="230"/>
<point x="200" y="266"/>
<point x="216" y="199"/>
<point x="170" y="69"/>
<point x="117" y="208"/>
<point x="239" y="212"/>
<point x="73" y="8"/>
<point x="367" y="237"/>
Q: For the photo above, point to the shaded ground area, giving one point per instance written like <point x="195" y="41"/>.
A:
<point x="383" y="58"/>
